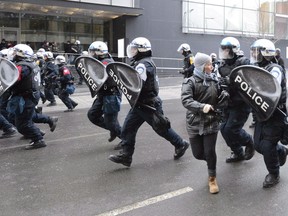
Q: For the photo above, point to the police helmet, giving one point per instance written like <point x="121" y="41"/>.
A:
<point x="262" y="49"/>
<point x="77" y="42"/>
<point x="140" y="44"/>
<point x="42" y="50"/>
<point x="4" y="53"/>
<point x="229" y="47"/>
<point x="23" y="51"/>
<point x="48" y="55"/>
<point x="183" y="47"/>
<point x="60" y="59"/>
<point x="97" y="48"/>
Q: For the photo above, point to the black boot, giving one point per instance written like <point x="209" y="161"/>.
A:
<point x="271" y="180"/>
<point x="121" y="158"/>
<point x="235" y="157"/>
<point x="10" y="132"/>
<point x="112" y="137"/>
<point x="180" y="151"/>
<point x="53" y="123"/>
<point x="36" y="145"/>
<point x="249" y="151"/>
<point x="283" y="157"/>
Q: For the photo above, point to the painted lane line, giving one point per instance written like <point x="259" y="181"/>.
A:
<point x="147" y="202"/>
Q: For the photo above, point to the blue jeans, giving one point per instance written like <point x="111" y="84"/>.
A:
<point x="232" y="127"/>
<point x="108" y="121"/>
<point x="135" y="118"/>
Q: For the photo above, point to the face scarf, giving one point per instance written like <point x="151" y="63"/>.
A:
<point x="205" y="77"/>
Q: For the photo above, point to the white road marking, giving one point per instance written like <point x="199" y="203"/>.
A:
<point x="147" y="202"/>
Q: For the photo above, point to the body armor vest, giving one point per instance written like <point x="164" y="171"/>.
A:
<point x="282" y="99"/>
<point x="109" y="87"/>
<point x="226" y="69"/>
<point x="30" y="83"/>
<point x="150" y="88"/>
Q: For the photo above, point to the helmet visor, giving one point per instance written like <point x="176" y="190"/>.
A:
<point x="226" y="52"/>
<point x="96" y="52"/>
<point x="131" y="50"/>
<point x="255" y="55"/>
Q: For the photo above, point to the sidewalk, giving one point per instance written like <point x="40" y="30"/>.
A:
<point x="170" y="88"/>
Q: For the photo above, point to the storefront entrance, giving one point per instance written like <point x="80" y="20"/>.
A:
<point x="11" y="35"/>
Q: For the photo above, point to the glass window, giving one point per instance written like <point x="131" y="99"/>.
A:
<point x="233" y="19"/>
<point x="214" y="17"/>
<point x="213" y="2"/>
<point x="266" y="25"/>
<point x="126" y="3"/>
<point x="248" y="26"/>
<point x="251" y="4"/>
<point x="36" y="29"/>
<point x="193" y="16"/>
<point x="267" y="5"/>
<point x="234" y="3"/>
<point x="281" y="28"/>
<point x="9" y="19"/>
<point x="242" y="17"/>
<point x="282" y="7"/>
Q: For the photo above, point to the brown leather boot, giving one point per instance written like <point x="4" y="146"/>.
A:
<point x="213" y="187"/>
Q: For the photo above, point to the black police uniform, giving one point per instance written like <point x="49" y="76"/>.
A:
<point x="235" y="116"/>
<point x="105" y="108"/>
<point x="188" y="67"/>
<point x="65" y="79"/>
<point x="143" y="113"/>
<point x="268" y="133"/>
<point x="25" y="94"/>
<point x="51" y="73"/>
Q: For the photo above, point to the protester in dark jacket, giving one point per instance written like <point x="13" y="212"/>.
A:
<point x="200" y="96"/>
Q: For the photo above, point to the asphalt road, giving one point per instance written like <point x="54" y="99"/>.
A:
<point x="72" y="175"/>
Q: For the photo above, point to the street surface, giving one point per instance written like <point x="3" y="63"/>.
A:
<point x="72" y="176"/>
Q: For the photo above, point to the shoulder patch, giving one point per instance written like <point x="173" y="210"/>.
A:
<point x="66" y="72"/>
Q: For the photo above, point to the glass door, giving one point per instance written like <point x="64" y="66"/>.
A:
<point x="11" y="35"/>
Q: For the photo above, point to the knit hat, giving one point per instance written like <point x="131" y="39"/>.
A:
<point x="200" y="60"/>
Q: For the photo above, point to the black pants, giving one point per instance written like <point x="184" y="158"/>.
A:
<point x="204" y="148"/>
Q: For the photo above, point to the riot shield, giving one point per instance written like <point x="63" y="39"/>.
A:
<point x="127" y="79"/>
<point x="258" y="88"/>
<point x="92" y="71"/>
<point x="8" y="74"/>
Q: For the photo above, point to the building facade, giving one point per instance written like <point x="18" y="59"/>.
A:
<point x="166" y="23"/>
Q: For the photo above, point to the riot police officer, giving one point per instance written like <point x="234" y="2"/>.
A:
<point x="66" y="79"/>
<point x="25" y="95"/>
<point x="105" y="108"/>
<point x="41" y="63"/>
<point x="188" y="67"/>
<point x="51" y="73"/>
<point x="140" y="51"/>
<point x="237" y="112"/>
<point x="268" y="133"/>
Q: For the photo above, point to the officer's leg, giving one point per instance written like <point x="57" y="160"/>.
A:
<point x="95" y="113"/>
<point x="64" y="97"/>
<point x="231" y="131"/>
<point x="112" y="124"/>
<point x="25" y="124"/>
<point x="132" y="123"/>
<point x="7" y="127"/>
